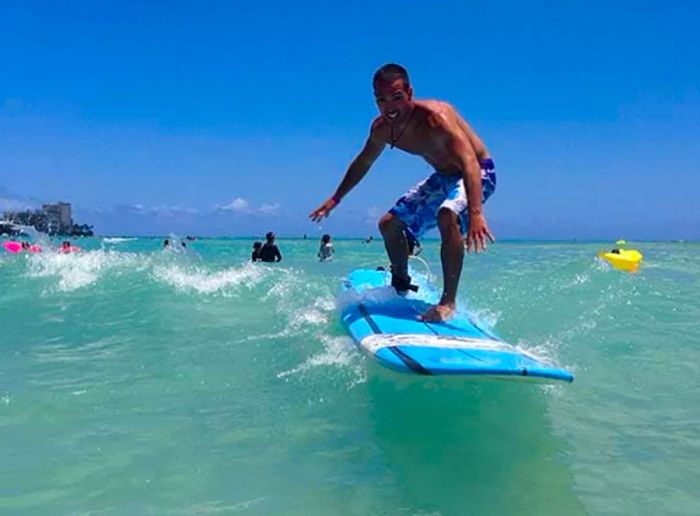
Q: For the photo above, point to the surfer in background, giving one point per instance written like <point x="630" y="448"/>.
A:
<point x="326" y="251"/>
<point x="451" y="198"/>
<point x="269" y="252"/>
<point x="255" y="257"/>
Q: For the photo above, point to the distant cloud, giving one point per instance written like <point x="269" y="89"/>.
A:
<point x="238" y="205"/>
<point x="269" y="209"/>
<point x="373" y="214"/>
<point x="187" y="210"/>
<point x="9" y="204"/>
<point x="163" y="210"/>
<point x="12" y="202"/>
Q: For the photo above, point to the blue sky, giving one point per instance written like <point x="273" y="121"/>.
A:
<point x="229" y="118"/>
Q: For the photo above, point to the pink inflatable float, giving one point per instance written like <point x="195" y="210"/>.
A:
<point x="17" y="247"/>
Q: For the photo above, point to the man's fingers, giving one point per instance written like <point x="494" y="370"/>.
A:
<point x="478" y="240"/>
<point x="318" y="214"/>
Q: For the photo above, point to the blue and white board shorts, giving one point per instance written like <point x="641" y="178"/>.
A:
<point x="418" y="208"/>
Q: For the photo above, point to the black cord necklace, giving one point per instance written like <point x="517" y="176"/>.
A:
<point x="394" y="141"/>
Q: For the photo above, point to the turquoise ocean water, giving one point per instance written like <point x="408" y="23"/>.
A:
<point x="138" y="381"/>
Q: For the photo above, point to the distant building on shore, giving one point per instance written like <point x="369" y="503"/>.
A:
<point x="58" y="217"/>
<point x="54" y="219"/>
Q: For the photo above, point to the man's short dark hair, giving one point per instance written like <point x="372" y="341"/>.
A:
<point x="391" y="72"/>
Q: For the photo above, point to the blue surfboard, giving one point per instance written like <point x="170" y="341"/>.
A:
<point x="386" y="326"/>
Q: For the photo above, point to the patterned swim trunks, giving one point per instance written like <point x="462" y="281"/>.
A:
<point x="418" y="208"/>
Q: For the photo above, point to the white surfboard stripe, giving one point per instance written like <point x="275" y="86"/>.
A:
<point x="374" y="343"/>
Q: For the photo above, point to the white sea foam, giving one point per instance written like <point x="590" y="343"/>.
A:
<point x="79" y="269"/>
<point x="544" y="351"/>
<point x="191" y="278"/>
<point x="318" y="314"/>
<point x="378" y="295"/>
<point x="309" y="316"/>
<point x="336" y="352"/>
<point x="578" y="279"/>
<point x="117" y="240"/>
<point x="486" y="317"/>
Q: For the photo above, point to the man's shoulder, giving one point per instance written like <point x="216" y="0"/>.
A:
<point x="437" y="114"/>
<point x="434" y="106"/>
<point x="379" y="125"/>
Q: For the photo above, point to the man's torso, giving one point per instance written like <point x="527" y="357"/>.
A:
<point x="427" y="132"/>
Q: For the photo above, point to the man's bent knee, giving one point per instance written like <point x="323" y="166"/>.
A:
<point x="447" y="220"/>
<point x="389" y="224"/>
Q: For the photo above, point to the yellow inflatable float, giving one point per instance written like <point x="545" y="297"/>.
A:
<point x="622" y="259"/>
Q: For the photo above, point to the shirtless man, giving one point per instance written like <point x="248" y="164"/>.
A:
<point x="450" y="199"/>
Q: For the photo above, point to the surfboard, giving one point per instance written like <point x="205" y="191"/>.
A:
<point x="385" y="325"/>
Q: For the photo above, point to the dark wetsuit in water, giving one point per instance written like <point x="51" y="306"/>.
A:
<point x="269" y="253"/>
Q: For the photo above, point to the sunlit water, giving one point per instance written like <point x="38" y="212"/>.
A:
<point x="139" y="381"/>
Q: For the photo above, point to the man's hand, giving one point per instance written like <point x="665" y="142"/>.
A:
<point x="478" y="233"/>
<point x="323" y="211"/>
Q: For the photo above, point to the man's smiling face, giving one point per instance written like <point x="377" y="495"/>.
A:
<point x="394" y="100"/>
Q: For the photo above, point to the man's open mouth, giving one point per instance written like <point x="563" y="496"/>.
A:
<point x="393" y="114"/>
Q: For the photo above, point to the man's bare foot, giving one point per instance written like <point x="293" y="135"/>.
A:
<point x="437" y="313"/>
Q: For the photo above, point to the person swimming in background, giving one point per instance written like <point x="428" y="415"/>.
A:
<point x="66" y="247"/>
<point x="255" y="257"/>
<point x="451" y="198"/>
<point x="269" y="252"/>
<point x="326" y="251"/>
<point x="369" y="239"/>
<point x="166" y="243"/>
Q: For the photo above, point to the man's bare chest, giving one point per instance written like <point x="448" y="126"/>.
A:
<point x="422" y="143"/>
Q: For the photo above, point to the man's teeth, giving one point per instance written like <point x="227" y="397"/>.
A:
<point x="392" y="114"/>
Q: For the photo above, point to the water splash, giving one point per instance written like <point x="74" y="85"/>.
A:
<point x="338" y="352"/>
<point x="188" y="278"/>
<point x="117" y="240"/>
<point x="78" y="270"/>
